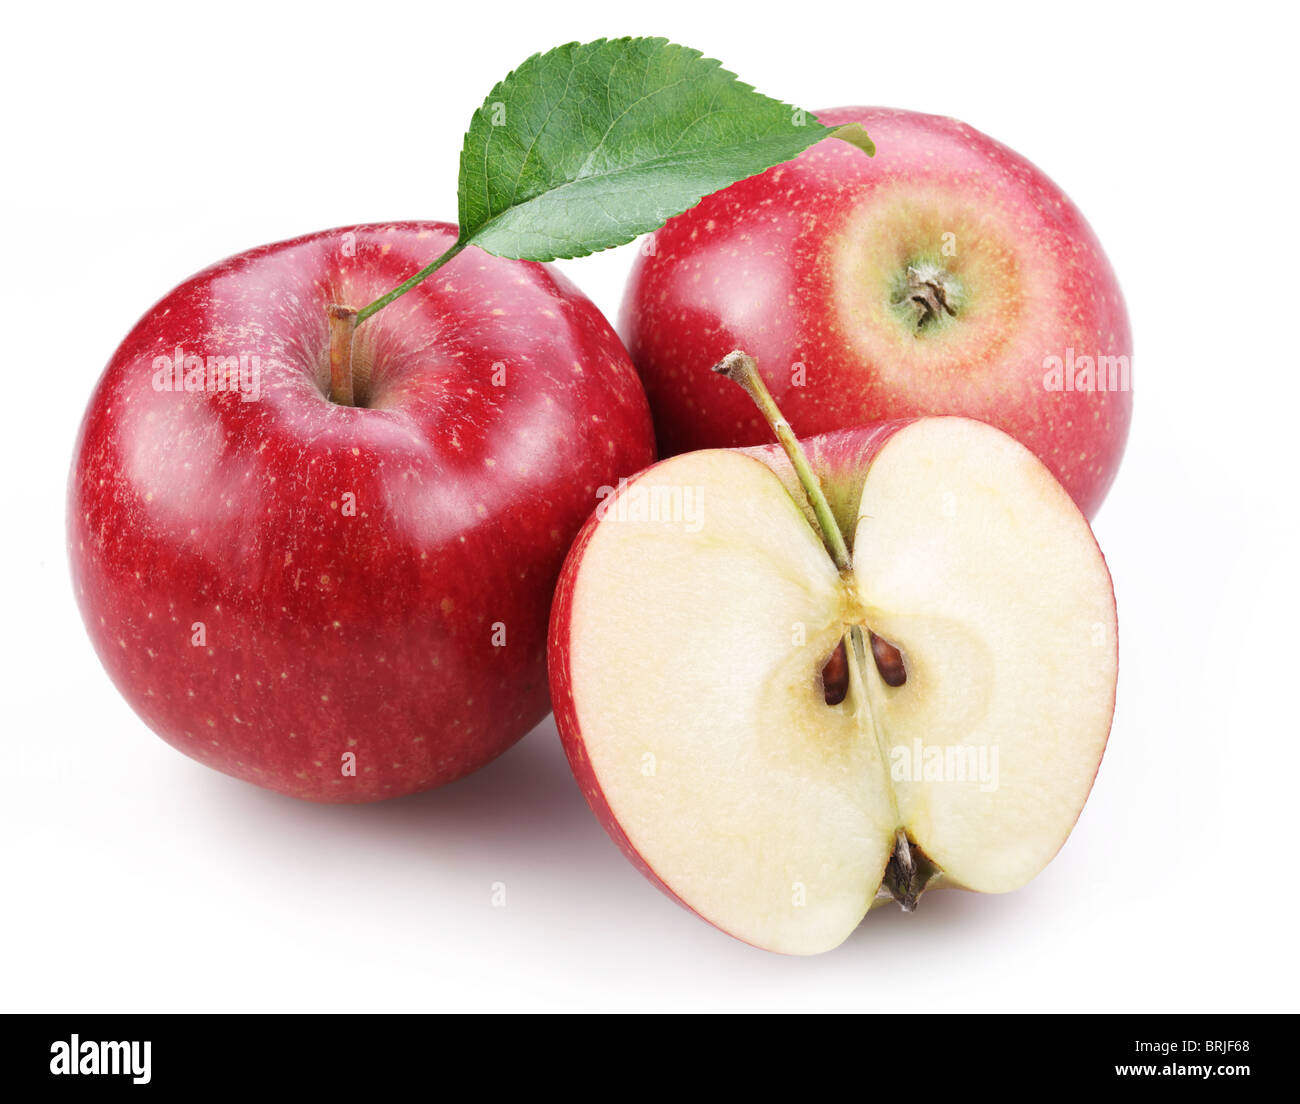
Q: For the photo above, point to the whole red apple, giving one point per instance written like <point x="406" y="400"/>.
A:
<point x="947" y="275"/>
<point x="346" y="603"/>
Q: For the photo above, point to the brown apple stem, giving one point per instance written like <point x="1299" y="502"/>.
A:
<point x="343" y="325"/>
<point x="908" y="871"/>
<point x="742" y="369"/>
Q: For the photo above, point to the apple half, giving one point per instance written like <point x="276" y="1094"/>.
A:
<point x="700" y="629"/>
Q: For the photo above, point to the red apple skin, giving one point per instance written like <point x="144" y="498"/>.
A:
<point x="374" y="632"/>
<point x="794" y="265"/>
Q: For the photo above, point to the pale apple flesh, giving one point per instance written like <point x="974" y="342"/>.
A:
<point x="695" y="617"/>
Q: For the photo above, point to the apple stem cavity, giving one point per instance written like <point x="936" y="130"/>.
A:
<point x="343" y="326"/>
<point x="742" y="369"/>
<point x="344" y="322"/>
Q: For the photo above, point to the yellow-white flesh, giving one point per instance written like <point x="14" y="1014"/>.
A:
<point x="972" y="560"/>
<point x="699" y="628"/>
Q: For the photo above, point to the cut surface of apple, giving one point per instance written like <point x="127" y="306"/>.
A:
<point x="694" y="619"/>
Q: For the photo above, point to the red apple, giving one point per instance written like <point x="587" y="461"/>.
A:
<point x="698" y="626"/>
<point x="346" y="603"/>
<point x="947" y="275"/>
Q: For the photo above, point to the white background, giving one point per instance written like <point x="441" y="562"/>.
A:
<point x="143" y="143"/>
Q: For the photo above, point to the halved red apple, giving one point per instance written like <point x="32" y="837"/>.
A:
<point x="697" y="612"/>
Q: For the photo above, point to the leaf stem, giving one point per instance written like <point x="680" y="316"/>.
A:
<point x="742" y="369"/>
<point x="402" y="288"/>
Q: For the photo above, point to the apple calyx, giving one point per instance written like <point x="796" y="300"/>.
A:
<point x="343" y="326"/>
<point x="928" y="294"/>
<point x="908" y="871"/>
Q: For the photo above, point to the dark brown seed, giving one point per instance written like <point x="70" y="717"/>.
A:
<point x="889" y="661"/>
<point x="835" y="676"/>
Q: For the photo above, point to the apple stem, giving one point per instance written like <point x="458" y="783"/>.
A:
<point x="343" y="325"/>
<point x="905" y="877"/>
<point x="402" y="288"/>
<point x="742" y="369"/>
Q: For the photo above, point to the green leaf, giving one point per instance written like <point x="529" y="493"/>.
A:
<point x="589" y="145"/>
